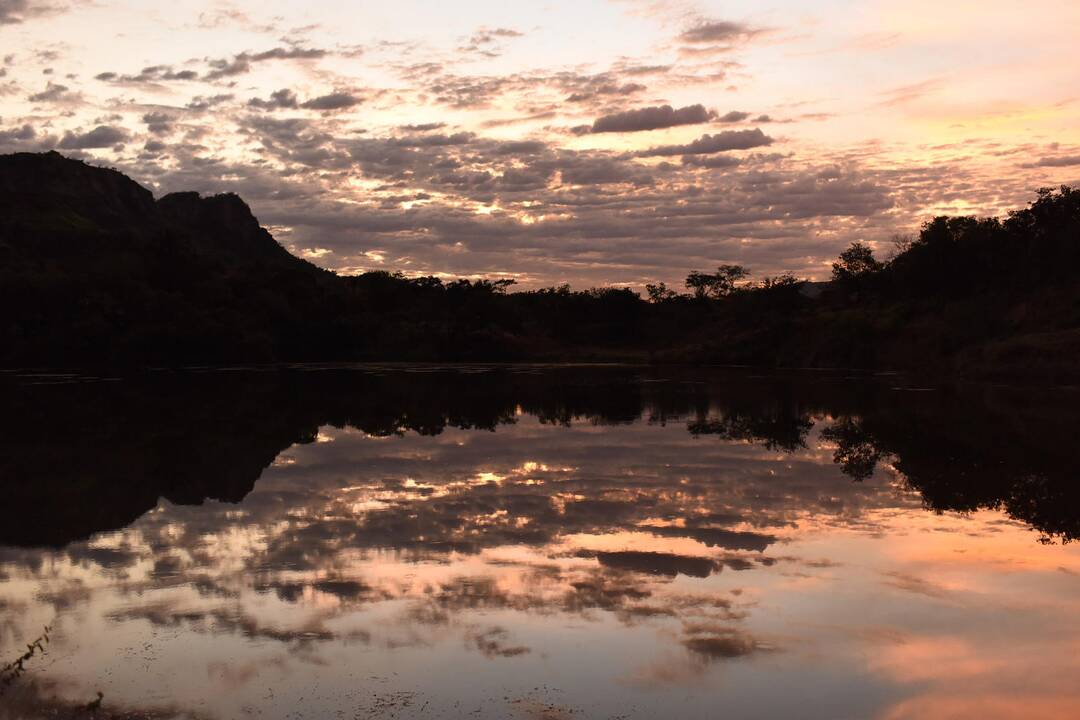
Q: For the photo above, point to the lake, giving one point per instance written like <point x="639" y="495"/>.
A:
<point x="536" y="542"/>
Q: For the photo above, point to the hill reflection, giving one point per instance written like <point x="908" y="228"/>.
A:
<point x="637" y="530"/>
<point x="83" y="457"/>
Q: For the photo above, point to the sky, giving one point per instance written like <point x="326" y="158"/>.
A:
<point x="594" y="142"/>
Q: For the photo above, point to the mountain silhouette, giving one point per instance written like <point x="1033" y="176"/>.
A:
<point x="95" y="270"/>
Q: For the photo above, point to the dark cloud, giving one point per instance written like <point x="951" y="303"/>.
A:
<point x="718" y="31"/>
<point x="149" y="75"/>
<point x="13" y="12"/>
<point x="652" y="118"/>
<point x="520" y="147"/>
<point x="605" y="89"/>
<point x="283" y="99"/>
<point x="333" y="101"/>
<point x="468" y="92"/>
<point x="461" y="138"/>
<point x="708" y="144"/>
<point x="711" y="161"/>
<point x="227" y="68"/>
<point x="201" y="103"/>
<point x="240" y="64"/>
<point x="56" y="93"/>
<point x="158" y="123"/>
<point x="289" y="53"/>
<point x="585" y="169"/>
<point x="733" y="117"/>
<point x="424" y="127"/>
<point x="26" y="132"/>
<point x="100" y="137"/>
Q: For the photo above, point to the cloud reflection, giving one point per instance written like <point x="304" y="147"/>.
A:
<point x="681" y="526"/>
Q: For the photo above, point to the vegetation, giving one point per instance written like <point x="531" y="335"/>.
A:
<point x="11" y="672"/>
<point x="94" y="271"/>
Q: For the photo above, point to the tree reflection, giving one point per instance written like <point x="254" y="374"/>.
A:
<point x="1010" y="456"/>
<point x="80" y="458"/>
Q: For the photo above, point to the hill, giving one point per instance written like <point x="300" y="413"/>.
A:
<point x="94" y="271"/>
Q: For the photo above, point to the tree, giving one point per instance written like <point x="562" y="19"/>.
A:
<point x="660" y="293"/>
<point x="718" y="284"/>
<point x="901" y="243"/>
<point x="855" y="262"/>
<point x="786" y="280"/>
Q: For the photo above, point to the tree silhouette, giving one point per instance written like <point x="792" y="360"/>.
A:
<point x="715" y="285"/>
<point x="659" y="292"/>
<point x="855" y="262"/>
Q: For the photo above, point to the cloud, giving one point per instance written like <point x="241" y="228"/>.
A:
<point x="485" y="35"/>
<point x="158" y="123"/>
<point x="424" y="127"/>
<point x="604" y="89"/>
<point x="333" y="101"/>
<point x="289" y="53"/>
<point x="55" y="92"/>
<point x="652" y="118"/>
<point x="484" y="41"/>
<point x="460" y="138"/>
<point x="13" y="12"/>
<point x="283" y="99"/>
<point x="224" y="17"/>
<point x="718" y="31"/>
<point x="148" y="75"/>
<point x="707" y="144"/>
<point x="733" y="117"/>
<point x="713" y="162"/>
<point x="1053" y="162"/>
<point x="26" y="132"/>
<point x="583" y="169"/>
<point x="227" y="68"/>
<point x="100" y="137"/>
<point x="241" y="64"/>
<point x="201" y="103"/>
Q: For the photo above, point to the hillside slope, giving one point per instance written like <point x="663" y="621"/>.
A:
<point x="93" y="269"/>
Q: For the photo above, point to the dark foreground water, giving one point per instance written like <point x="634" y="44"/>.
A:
<point x="536" y="543"/>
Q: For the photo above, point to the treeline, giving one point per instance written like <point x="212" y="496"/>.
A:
<point x="986" y="293"/>
<point x="95" y="271"/>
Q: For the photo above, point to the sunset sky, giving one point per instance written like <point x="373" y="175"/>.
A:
<point x="592" y="142"/>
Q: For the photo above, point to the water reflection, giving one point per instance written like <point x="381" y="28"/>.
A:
<point x="530" y="542"/>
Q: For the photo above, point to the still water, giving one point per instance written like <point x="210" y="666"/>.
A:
<point x="420" y="542"/>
